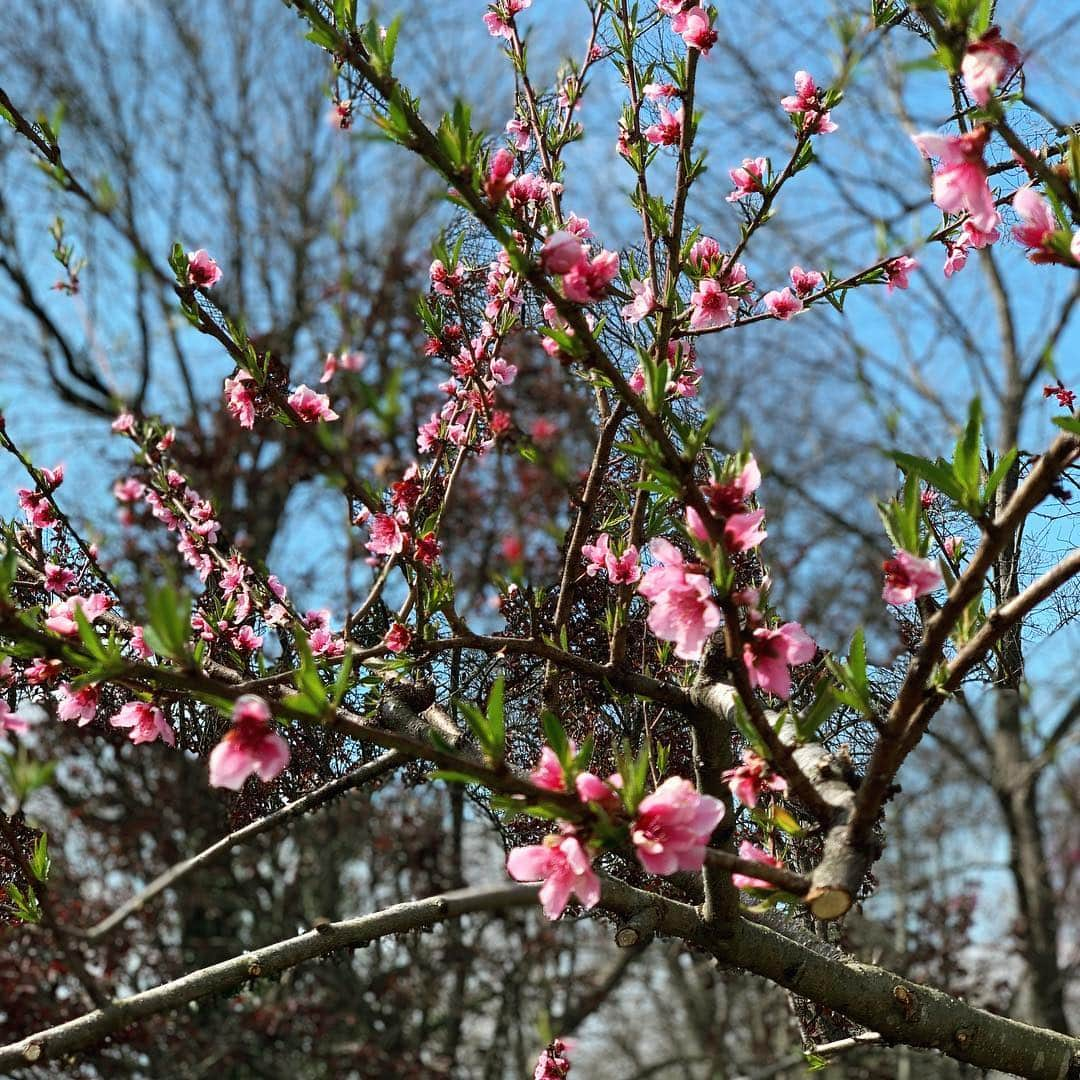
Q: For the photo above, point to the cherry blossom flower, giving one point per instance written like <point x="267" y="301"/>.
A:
<point x="712" y="306"/>
<point x="596" y="554"/>
<point x="250" y="747"/>
<point x="804" y="282"/>
<point x="10" y="721"/>
<point x="783" y="304"/>
<point x="57" y="578"/>
<point x="561" y="252"/>
<point x="960" y="182"/>
<point x="695" y="28"/>
<point x="386" y="536"/>
<point x="591" y="788"/>
<point x="52" y="478"/>
<point x="497" y="19"/>
<point x="499" y="177"/>
<point x="519" y="133"/>
<point x="398" y="638"/>
<point x="672" y="827"/>
<point x="138" y="643"/>
<point x="548" y="773"/>
<point x="657" y="91"/>
<point x="988" y="63"/>
<point x="502" y="371"/>
<point x="682" y="607"/>
<point x="564" y="867"/>
<point x="668" y="130"/>
<point x="730" y="498"/>
<point x="748" y="780"/>
<point x="953" y="546"/>
<point x="747" y="178"/>
<point x="124" y="423"/>
<point x="347" y="361"/>
<point x="340" y="115"/>
<point x="587" y="280"/>
<point x="908" y="577"/>
<point x="202" y="270"/>
<point x="78" y="704"/>
<point x="39" y="511"/>
<point x="553" y="1063"/>
<point x="769" y="656"/>
<point x="61" y="618"/>
<point x="897" y="272"/>
<point x="644" y="302"/>
<point x="311" y="406"/>
<point x="742" y="532"/>
<point x="624" y="569"/>
<point x="1038" y="224"/>
<point x="41" y="670"/>
<point x="753" y="853"/>
<point x="704" y="253"/>
<point x="1066" y="398"/>
<point x="147" y="723"/>
<point x="807" y="100"/>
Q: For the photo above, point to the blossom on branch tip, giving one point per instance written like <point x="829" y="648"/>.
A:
<point x="960" y="182"/>
<point x="711" y="306"/>
<point x="78" y="704"/>
<point x="807" y="101"/>
<point x="250" y="747"/>
<point x="61" y="618"/>
<point x="643" y="303"/>
<point x="672" y="827"/>
<point x="683" y="610"/>
<point x="908" y="577"/>
<point x="147" y="723"/>
<point x="311" y="406"/>
<point x="748" y="780"/>
<point x="769" y="656"/>
<point x="782" y="304"/>
<point x="748" y="178"/>
<point x="553" y="1063"/>
<point x="695" y="28"/>
<point x="989" y="62"/>
<point x="897" y="272"/>
<point x="668" y="130"/>
<point x="202" y="270"/>
<point x="564" y="867"/>
<point x="587" y="280"/>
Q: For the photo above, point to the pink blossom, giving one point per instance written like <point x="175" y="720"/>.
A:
<point x="955" y="258"/>
<point x="10" y="721"/>
<point x="41" y="670"/>
<point x="960" y="182"/>
<point x="783" y="304"/>
<point x="747" y="178"/>
<point x="804" y="281"/>
<point x="587" y="281"/>
<point x="128" y="490"/>
<point x="897" y="272"/>
<point x="672" y="828"/>
<point x="748" y="780"/>
<point x="497" y="19"/>
<point x="704" y="252"/>
<point x="52" y="478"/>
<point x="682" y="607"/>
<point x="561" y="252"/>
<point x="953" y="546"/>
<point x="742" y="532"/>
<point x="138" y="643"/>
<point x="656" y="91"/>
<point x="807" y="100"/>
<point x="591" y="788"/>
<point x="340" y="114"/>
<point x="61" y="619"/>
<point x="623" y="569"/>
<point x="398" y="638"/>
<point x="908" y="577"/>
<point x="548" y="773"/>
<point x="695" y="28"/>
<point x="543" y="429"/>
<point x="565" y="869"/>
<point x="712" y="307"/>
<point x="770" y="654"/>
<point x="731" y="497"/>
<point x="636" y="382"/>
<point x="202" y="270"/>
<point x="988" y="62"/>
<point x="78" y="704"/>
<point x="644" y="302"/>
<point x="57" y="578"/>
<point x="39" y="511"/>
<point x="499" y="177"/>
<point x="1039" y="222"/>
<point x="249" y="747"/>
<point x="347" y="361"/>
<point x="124" y="423"/>
<point x="502" y="371"/>
<point x="386" y="536"/>
<point x="147" y="723"/>
<point x="668" y="131"/>
<point x="753" y="853"/>
<point x="311" y="406"/>
<point x="519" y="133"/>
<point x="596" y="554"/>
<point x="553" y="1063"/>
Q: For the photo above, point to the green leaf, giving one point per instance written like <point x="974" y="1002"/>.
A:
<point x="1071" y="424"/>
<point x="556" y="737"/>
<point x="1000" y="470"/>
<point x="40" y="863"/>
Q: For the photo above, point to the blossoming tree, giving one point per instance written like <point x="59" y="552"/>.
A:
<point x="658" y="746"/>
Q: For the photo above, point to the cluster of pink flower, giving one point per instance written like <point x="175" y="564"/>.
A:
<point x="669" y="831"/>
<point x="585" y="280"/>
<point x="691" y="22"/>
<point x="36" y="502"/>
<point x="309" y="406"/>
<point x="624" y="569"/>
